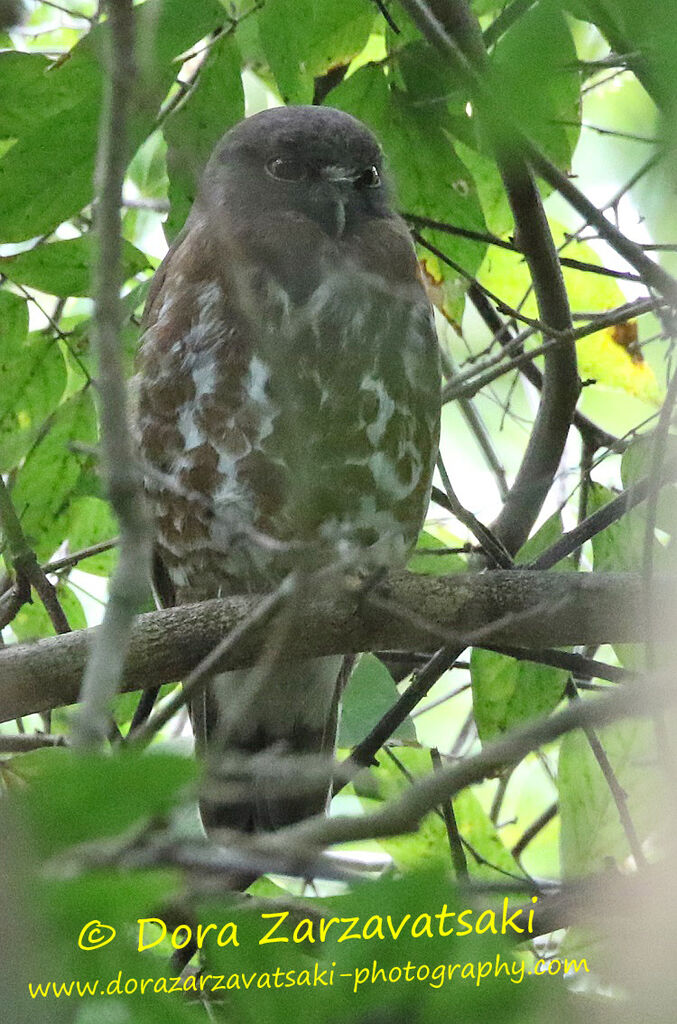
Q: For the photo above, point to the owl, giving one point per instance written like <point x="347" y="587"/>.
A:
<point x="288" y="404"/>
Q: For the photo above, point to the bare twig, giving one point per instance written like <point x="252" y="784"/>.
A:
<point x="130" y="584"/>
<point x="405" y="813"/>
<point x="477" y="427"/>
<point x="25" y="565"/>
<point x="618" y="794"/>
<point x="455" y="841"/>
<point x="588" y="430"/>
<point x="489" y="543"/>
<point x="579" y="666"/>
<point x="487" y="238"/>
<point x="533" y="830"/>
<point x="598" y="521"/>
<point x="24" y="742"/>
<point x="68" y="561"/>
<point x="478" y="377"/>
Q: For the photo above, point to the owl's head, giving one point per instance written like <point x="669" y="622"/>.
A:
<point x="316" y="161"/>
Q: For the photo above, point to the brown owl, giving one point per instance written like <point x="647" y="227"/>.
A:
<point x="288" y="408"/>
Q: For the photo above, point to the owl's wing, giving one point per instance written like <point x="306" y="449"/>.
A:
<point x="201" y="411"/>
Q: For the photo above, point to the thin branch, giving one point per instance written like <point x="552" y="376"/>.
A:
<point x="598" y="521"/>
<point x="387" y="16"/>
<point x="499" y="795"/>
<point x="577" y="664"/>
<point x="618" y="794"/>
<point x="130" y="584"/>
<point x="506" y="19"/>
<point x="76" y="15"/>
<point x="25" y="564"/>
<point x="455" y="841"/>
<point x="652" y="273"/>
<point x="405" y="814"/>
<point x="68" y="561"/>
<point x="515" y="314"/>
<point x="533" y="830"/>
<point x="588" y="430"/>
<point x="24" y="742"/>
<point x="489" y="543"/>
<point x="477" y="427"/>
<point x="491" y="369"/>
<point x="486" y="237"/>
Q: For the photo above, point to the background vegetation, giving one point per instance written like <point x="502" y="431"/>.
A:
<point x="500" y="765"/>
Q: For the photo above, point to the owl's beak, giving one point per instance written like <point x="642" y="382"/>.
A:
<point x="341" y="180"/>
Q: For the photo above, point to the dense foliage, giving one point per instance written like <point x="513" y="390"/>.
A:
<point x="111" y="836"/>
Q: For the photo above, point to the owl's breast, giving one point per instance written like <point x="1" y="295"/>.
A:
<point x="294" y="428"/>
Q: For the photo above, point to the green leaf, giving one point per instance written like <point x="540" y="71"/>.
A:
<point x="436" y="565"/>
<point x="546" y="535"/>
<point x="370" y="692"/>
<point x="532" y="74"/>
<point x="28" y="92"/>
<point x="65" y="268"/>
<point x="193" y="129"/>
<point x="30" y="204"/>
<point x="650" y="42"/>
<point x="33" y="375"/>
<point x="620" y="547"/>
<point x="89" y="520"/>
<point x="535" y="78"/>
<point x="430" y="179"/>
<point x="53" y="474"/>
<point x="430" y="843"/>
<point x="591" y="830"/>
<point x="507" y="692"/>
<point x="125" y="704"/>
<point x="304" y="38"/>
<point x="78" y="798"/>
<point x="33" y="622"/>
<point x="66" y="136"/>
<point x="604" y="356"/>
<point x="636" y="465"/>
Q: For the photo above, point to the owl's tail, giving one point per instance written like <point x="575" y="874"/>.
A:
<point x="268" y="736"/>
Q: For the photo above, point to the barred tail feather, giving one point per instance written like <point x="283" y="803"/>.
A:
<point x="256" y="730"/>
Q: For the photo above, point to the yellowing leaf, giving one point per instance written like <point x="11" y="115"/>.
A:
<point x="610" y="356"/>
<point x="601" y="357"/>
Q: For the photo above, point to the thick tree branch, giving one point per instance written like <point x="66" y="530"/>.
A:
<point x="527" y="609"/>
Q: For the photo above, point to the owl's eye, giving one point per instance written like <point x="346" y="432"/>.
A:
<point x="369" y="178"/>
<point x="285" y="169"/>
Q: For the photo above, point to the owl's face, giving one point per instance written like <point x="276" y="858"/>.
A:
<point x="315" y="161"/>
